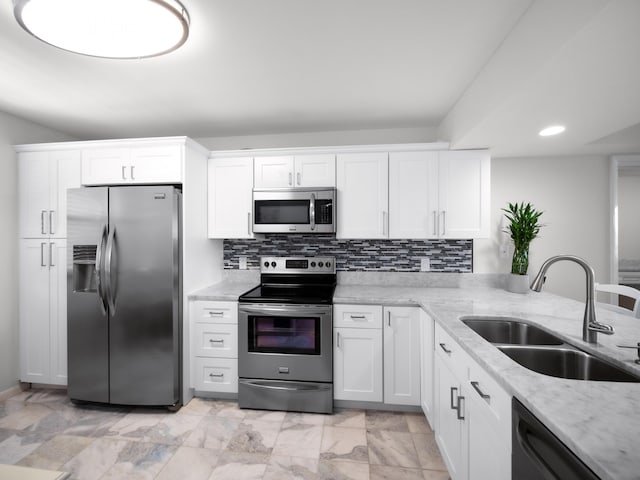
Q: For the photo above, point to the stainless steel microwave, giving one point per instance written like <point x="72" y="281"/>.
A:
<point x="294" y="210"/>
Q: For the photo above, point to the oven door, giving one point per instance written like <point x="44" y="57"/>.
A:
<point x="285" y="342"/>
<point x="294" y="211"/>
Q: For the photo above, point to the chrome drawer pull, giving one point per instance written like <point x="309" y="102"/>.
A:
<point x="459" y="408"/>
<point x="453" y="393"/>
<point x="357" y="317"/>
<point x="216" y="375"/>
<point x="215" y="314"/>
<point x="443" y="346"/>
<point x="212" y="340"/>
<point x="476" y="387"/>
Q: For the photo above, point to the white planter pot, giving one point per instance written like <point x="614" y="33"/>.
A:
<point x="518" y="283"/>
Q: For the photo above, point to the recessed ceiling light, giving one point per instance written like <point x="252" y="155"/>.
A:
<point x="106" y="28"/>
<point x="552" y="130"/>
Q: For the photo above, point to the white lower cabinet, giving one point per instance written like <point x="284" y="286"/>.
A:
<point x="473" y="415"/>
<point x="214" y="344"/>
<point x="43" y="311"/>
<point x="357" y="361"/>
<point x="401" y="355"/>
<point x="426" y="366"/>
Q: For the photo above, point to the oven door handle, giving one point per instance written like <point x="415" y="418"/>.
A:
<point x="307" y="310"/>
<point x="288" y="389"/>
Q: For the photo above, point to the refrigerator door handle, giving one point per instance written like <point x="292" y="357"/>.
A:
<point x="107" y="271"/>
<point x="101" y="295"/>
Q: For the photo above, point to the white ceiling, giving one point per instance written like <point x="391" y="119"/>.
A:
<point x="482" y="73"/>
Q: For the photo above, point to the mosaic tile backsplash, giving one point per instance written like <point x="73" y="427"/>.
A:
<point x="356" y="255"/>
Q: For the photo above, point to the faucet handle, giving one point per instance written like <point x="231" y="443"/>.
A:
<point x="601" y="328"/>
<point x="636" y="347"/>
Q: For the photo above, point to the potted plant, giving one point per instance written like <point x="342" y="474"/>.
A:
<point x="523" y="227"/>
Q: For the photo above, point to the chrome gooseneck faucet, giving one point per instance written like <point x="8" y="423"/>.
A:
<point x="590" y="327"/>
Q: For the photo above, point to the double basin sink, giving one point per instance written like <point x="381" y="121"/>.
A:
<point x="544" y="352"/>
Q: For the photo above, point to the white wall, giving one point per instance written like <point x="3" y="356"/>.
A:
<point x="322" y="139"/>
<point x="573" y="192"/>
<point x="629" y="217"/>
<point x="13" y="131"/>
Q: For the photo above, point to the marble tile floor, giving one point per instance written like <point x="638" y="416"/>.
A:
<point x="214" y="440"/>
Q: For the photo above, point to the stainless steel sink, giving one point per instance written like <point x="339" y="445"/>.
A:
<point x="510" y="331"/>
<point x="567" y="362"/>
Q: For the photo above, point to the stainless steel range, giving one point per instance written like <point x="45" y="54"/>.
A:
<point x="285" y="351"/>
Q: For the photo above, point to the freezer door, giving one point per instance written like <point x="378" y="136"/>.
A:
<point x="142" y="286"/>
<point x="87" y="320"/>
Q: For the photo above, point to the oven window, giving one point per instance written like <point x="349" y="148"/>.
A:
<point x="282" y="212"/>
<point x="299" y="335"/>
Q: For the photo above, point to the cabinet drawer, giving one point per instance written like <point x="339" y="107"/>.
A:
<point x="215" y="340"/>
<point x="492" y="400"/>
<point x="451" y="353"/>
<point x="357" y="316"/>
<point x="215" y="374"/>
<point x="214" y="312"/>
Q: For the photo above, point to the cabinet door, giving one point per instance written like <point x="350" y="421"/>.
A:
<point x="426" y="366"/>
<point x="273" y="172"/>
<point x="315" y="171"/>
<point x="450" y="430"/>
<point x="106" y="166"/>
<point x="363" y="195"/>
<point x="34" y="311"/>
<point x="33" y="194"/>
<point x="357" y="364"/>
<point x="464" y="181"/>
<point x="65" y="170"/>
<point x="58" y="311"/>
<point x="229" y="197"/>
<point x="162" y="164"/>
<point x="413" y="194"/>
<point x="401" y="355"/>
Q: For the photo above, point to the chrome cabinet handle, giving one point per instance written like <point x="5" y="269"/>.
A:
<point x="215" y="314"/>
<point x="132" y="175"/>
<point x="42" y="263"/>
<point x="476" y="387"/>
<point x="338" y="339"/>
<point x="357" y="317"/>
<point x="298" y="178"/>
<point x="443" y="346"/>
<point x="452" y="395"/>
<point x="384" y="223"/>
<point x="459" y="408"/>
<point x="51" y="229"/>
<point x="444" y="222"/>
<point x="435" y="223"/>
<point x="124" y="177"/>
<point x="389" y="319"/>
<point x="42" y="214"/>
<point x="290" y="178"/>
<point x="249" y="223"/>
<point x="51" y="247"/>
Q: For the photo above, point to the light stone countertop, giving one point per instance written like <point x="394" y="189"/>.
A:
<point x="599" y="421"/>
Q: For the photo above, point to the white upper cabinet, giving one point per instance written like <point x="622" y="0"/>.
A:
<point x="132" y="165"/>
<point x="229" y="197"/>
<point x="363" y="195"/>
<point x="439" y="194"/>
<point x="295" y="171"/>
<point x="413" y="194"/>
<point x="43" y="180"/>
<point x="463" y="198"/>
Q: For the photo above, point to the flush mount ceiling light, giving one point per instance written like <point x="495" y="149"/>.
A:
<point x="552" y="130"/>
<point x="106" y="28"/>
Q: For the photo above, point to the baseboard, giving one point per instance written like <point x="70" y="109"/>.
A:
<point x="10" y="392"/>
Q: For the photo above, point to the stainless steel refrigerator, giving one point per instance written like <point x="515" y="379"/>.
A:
<point x="124" y="295"/>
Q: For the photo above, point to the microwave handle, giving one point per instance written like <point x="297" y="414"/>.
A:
<point x="312" y="211"/>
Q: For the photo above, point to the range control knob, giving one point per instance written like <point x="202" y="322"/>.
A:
<point x="328" y="264"/>
<point x="273" y="264"/>
<point x="320" y="264"/>
<point x="266" y="264"/>
<point x="313" y="264"/>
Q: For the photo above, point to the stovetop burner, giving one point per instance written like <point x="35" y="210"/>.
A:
<point x="294" y="280"/>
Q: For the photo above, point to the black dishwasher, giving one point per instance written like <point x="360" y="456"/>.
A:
<point x="538" y="454"/>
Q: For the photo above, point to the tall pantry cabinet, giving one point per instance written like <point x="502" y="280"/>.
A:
<point x="43" y="180"/>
